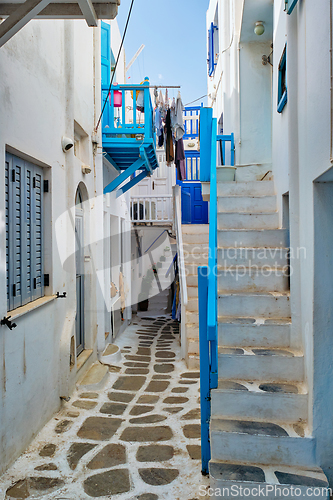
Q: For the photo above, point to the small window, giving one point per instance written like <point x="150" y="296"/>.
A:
<point x="289" y="5"/>
<point x="282" y="81"/>
<point x="24" y="231"/>
<point x="212" y="48"/>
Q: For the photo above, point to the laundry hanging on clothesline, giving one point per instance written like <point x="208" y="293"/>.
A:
<point x="169" y="125"/>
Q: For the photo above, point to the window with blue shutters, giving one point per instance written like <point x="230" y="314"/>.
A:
<point x="24" y="231"/>
<point x="289" y="5"/>
<point x="212" y="48"/>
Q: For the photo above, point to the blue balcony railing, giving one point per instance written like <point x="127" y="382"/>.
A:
<point x="128" y="135"/>
<point x="126" y="119"/>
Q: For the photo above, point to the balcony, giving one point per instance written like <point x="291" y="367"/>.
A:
<point x="128" y="134"/>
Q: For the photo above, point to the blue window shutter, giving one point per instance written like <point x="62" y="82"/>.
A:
<point x="290" y="5"/>
<point x="105" y="53"/>
<point x="24" y="231"/>
<point x="8" y="220"/>
<point x="16" y="169"/>
<point x="211" y="50"/>
<point x="37" y="232"/>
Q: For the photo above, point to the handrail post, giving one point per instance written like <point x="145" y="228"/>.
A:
<point x="146" y="99"/>
<point x="206" y="116"/>
<point x="204" y="368"/>
<point x="232" y="150"/>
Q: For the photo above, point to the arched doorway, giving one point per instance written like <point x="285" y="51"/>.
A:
<point x="79" y="264"/>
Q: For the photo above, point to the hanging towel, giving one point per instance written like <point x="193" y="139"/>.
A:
<point x="161" y="138"/>
<point x="158" y="121"/>
<point x="179" y="129"/>
<point x="168" y="139"/>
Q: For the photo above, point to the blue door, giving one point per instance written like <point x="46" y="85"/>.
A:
<point x="194" y="209"/>
<point x="199" y="208"/>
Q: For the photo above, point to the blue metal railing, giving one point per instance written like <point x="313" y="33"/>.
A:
<point x="207" y="279"/>
<point x="124" y="120"/>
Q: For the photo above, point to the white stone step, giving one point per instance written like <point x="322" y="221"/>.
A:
<point x="258" y="442"/>
<point x="247" y="257"/>
<point x="259" y="305"/>
<point x="197" y="238"/>
<point x="192" y="317"/>
<point x="271" y="365"/>
<point x="195" y="229"/>
<point x="269" y="482"/>
<point x="192" y="304"/>
<point x="251" y="238"/>
<point x="237" y="280"/>
<point x="196" y="248"/>
<point x="260" y="401"/>
<point x="238" y="220"/>
<point x="193" y="362"/>
<point x="95" y="378"/>
<point x="254" y="332"/>
<point x="191" y="276"/>
<point x="192" y="331"/>
<point x="251" y="188"/>
<point x="192" y="292"/>
<point x="251" y="204"/>
<point x="192" y="257"/>
<point x="192" y="346"/>
<point x="192" y="269"/>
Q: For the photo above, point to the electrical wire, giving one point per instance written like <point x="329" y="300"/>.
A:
<point x="196" y="100"/>
<point x="114" y="71"/>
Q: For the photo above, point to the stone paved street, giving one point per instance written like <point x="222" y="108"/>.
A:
<point x="137" y="438"/>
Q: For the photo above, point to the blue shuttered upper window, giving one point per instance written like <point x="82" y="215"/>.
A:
<point x="24" y="231"/>
<point x="290" y="5"/>
<point x="211" y="49"/>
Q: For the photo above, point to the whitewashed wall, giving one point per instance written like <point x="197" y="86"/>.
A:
<point x="301" y="162"/>
<point x="51" y="78"/>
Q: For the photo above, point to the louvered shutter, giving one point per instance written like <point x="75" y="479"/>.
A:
<point x="37" y="243"/>
<point x="24" y="231"/>
<point x="7" y="219"/>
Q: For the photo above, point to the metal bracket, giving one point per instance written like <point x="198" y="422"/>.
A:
<point x="61" y="296"/>
<point x="6" y="321"/>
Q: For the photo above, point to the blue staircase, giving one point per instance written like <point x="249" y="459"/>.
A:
<point x="128" y="142"/>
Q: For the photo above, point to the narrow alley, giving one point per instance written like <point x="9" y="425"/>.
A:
<point x="137" y="437"/>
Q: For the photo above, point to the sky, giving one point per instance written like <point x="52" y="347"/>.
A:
<point x="174" y="35"/>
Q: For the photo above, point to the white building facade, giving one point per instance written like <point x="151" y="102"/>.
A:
<point x="273" y="91"/>
<point x="63" y="242"/>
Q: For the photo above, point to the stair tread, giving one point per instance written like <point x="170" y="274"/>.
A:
<point x="254" y="428"/>
<point x="258" y="473"/>
<point x="254" y="321"/>
<point x="257" y="351"/>
<point x="260" y="387"/>
<point x="260" y="294"/>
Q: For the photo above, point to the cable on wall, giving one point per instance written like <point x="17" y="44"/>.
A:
<point x="114" y="71"/>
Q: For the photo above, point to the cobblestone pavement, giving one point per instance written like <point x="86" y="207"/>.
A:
<point x="137" y="438"/>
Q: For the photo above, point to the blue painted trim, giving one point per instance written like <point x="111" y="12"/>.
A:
<point x="211" y="49"/>
<point x="282" y="96"/>
<point x="290" y="5"/>
<point x="206" y="116"/>
<point x="123" y="176"/>
<point x="111" y="160"/>
<point x="204" y="369"/>
<point x="131" y="183"/>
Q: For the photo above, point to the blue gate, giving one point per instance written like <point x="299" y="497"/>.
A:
<point x="195" y="210"/>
